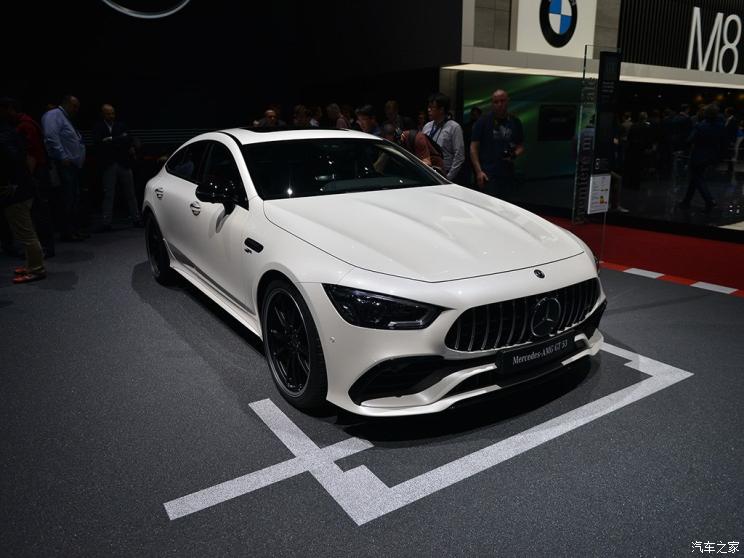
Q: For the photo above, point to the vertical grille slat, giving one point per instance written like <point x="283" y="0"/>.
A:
<point x="513" y="322"/>
<point x="595" y="294"/>
<point x="564" y="310"/>
<point x="579" y="302"/>
<point x="467" y="326"/>
<point x="585" y="301"/>
<point x="473" y="329"/>
<point x="572" y="298"/>
<point x="587" y="298"/>
<point x="497" y="344"/>
<point x="592" y="297"/>
<point x="574" y="304"/>
<point x="507" y="323"/>
<point x="567" y="294"/>
<point x="527" y="307"/>
<point x="488" y="327"/>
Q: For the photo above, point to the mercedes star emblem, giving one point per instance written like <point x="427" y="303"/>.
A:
<point x="545" y="317"/>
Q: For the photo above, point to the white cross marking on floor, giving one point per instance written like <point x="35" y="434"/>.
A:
<point x="364" y="497"/>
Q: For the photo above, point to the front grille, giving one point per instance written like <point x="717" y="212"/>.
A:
<point x="504" y="324"/>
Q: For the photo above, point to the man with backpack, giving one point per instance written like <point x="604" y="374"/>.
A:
<point x="417" y="143"/>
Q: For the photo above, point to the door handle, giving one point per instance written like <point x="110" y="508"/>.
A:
<point x="252" y="245"/>
<point x="195" y="208"/>
<point x="159" y="193"/>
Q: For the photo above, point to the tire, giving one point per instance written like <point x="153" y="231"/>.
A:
<point x="157" y="253"/>
<point x="293" y="348"/>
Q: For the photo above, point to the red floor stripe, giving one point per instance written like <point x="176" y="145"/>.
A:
<point x="712" y="261"/>
<point x="616" y="267"/>
<point x="738" y="293"/>
<point x="678" y="280"/>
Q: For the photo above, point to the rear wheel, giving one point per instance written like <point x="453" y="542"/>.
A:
<point x="293" y="348"/>
<point x="157" y="253"/>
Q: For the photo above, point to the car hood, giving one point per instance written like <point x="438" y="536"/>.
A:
<point x="432" y="234"/>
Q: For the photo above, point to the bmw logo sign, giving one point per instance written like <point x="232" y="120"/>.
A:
<point x="558" y="21"/>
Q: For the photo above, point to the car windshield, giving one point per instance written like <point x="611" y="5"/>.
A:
<point x="316" y="167"/>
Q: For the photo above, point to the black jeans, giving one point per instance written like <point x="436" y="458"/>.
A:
<point x="501" y="187"/>
<point x="69" y="178"/>
<point x="697" y="182"/>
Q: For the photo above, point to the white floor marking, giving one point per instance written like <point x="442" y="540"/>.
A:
<point x="644" y="273"/>
<point x="712" y="287"/>
<point x="364" y="497"/>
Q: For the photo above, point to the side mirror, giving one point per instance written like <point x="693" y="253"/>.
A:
<point x="213" y="190"/>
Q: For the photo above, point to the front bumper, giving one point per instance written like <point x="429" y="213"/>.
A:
<point x="430" y="376"/>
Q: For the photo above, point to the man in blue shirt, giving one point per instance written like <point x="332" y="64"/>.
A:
<point x="498" y="139"/>
<point x="66" y="151"/>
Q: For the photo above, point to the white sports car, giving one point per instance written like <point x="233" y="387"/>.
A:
<point x="374" y="283"/>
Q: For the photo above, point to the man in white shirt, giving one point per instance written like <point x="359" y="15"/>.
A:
<point x="446" y="133"/>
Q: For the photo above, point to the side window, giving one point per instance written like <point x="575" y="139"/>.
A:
<point x="185" y="163"/>
<point x="220" y="167"/>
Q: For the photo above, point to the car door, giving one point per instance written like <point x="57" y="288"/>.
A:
<point x="176" y="194"/>
<point x="221" y="230"/>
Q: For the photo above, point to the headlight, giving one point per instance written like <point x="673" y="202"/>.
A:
<point x="379" y="311"/>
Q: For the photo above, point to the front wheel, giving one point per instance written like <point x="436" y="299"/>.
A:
<point x="157" y="253"/>
<point x="293" y="348"/>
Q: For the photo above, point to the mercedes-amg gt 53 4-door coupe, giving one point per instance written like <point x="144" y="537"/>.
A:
<point x="374" y="283"/>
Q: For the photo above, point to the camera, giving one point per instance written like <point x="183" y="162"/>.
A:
<point x="509" y="154"/>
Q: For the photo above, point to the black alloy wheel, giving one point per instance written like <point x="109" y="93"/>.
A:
<point x="292" y="347"/>
<point x="157" y="253"/>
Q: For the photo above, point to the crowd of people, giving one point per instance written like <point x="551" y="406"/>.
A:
<point x="41" y="178"/>
<point x="668" y="143"/>
<point x="480" y="153"/>
<point x="41" y="163"/>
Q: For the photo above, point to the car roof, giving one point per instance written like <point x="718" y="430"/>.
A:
<point x="246" y="136"/>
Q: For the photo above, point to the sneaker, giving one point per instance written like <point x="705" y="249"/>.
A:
<point x="21" y="270"/>
<point x="29" y="277"/>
